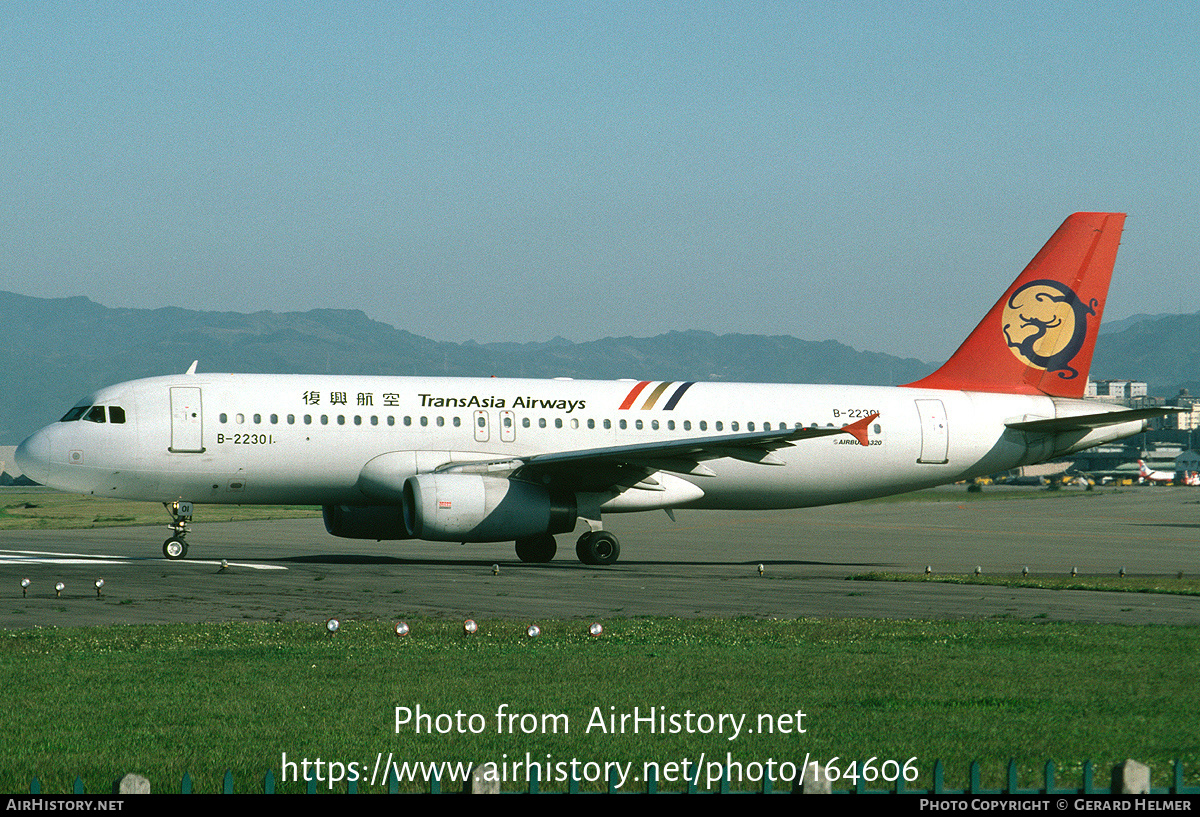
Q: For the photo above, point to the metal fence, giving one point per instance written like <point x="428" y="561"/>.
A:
<point x="852" y="782"/>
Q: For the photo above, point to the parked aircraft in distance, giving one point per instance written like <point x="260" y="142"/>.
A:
<point x="492" y="460"/>
<point x="1148" y="475"/>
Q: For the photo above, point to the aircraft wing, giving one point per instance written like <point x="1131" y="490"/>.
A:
<point x="596" y="469"/>
<point x="1086" y="422"/>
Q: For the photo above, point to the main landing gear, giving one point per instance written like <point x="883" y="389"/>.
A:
<point x="598" y="548"/>
<point x="593" y="548"/>
<point x="537" y="548"/>
<point x="181" y="516"/>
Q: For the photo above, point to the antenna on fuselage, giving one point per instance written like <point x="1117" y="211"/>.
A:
<point x="192" y="368"/>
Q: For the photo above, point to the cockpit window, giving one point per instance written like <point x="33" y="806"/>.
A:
<point x="94" y="414"/>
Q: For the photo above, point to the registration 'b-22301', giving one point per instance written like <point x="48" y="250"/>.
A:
<point x="519" y="460"/>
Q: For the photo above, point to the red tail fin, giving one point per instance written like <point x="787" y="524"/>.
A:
<point x="1039" y="337"/>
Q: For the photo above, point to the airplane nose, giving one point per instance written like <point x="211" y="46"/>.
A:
<point x="33" y="457"/>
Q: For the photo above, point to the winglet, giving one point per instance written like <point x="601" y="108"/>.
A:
<point x="858" y="429"/>
<point x="1039" y="337"/>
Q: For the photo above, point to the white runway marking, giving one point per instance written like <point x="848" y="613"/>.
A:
<point x="42" y="557"/>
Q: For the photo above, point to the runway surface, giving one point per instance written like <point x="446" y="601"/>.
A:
<point x="703" y="565"/>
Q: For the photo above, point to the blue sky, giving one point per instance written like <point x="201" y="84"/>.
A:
<point x="875" y="173"/>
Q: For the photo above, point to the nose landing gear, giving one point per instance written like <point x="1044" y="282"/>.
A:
<point x="181" y="516"/>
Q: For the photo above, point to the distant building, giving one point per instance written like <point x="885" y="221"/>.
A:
<point x="1184" y="421"/>
<point x="1115" y="389"/>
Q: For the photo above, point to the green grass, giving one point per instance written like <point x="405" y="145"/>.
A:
<point x="164" y="700"/>
<point x="43" y="508"/>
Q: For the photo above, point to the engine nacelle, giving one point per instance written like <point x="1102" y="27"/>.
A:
<point x="371" y="522"/>
<point x="477" y="508"/>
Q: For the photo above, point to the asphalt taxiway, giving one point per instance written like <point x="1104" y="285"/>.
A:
<point x="706" y="564"/>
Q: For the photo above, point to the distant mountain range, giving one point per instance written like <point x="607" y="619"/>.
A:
<point x="60" y="349"/>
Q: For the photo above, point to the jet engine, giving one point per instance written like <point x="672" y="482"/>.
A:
<point x="477" y="508"/>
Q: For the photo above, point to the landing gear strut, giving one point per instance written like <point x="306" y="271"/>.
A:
<point x="181" y="516"/>
<point x="598" y="548"/>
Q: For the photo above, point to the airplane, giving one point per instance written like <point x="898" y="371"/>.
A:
<point x="522" y="460"/>
<point x="1148" y="474"/>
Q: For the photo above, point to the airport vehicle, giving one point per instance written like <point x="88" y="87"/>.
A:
<point x="494" y="460"/>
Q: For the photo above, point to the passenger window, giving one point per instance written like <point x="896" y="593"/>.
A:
<point x="750" y="426"/>
<point x="458" y="422"/>
<point x="720" y="426"/>
<point x="608" y="424"/>
<point x="541" y="422"/>
<point x="637" y="424"/>
<point x="308" y="419"/>
<point x="95" y="415"/>
<point x="734" y="426"/>
<point x="670" y="425"/>
<point x="241" y="418"/>
<point x="482" y="421"/>
<point x="441" y="421"/>
<point x="257" y="419"/>
<point x="524" y="422"/>
<point x="654" y="424"/>
<point x="291" y="419"/>
<point x="391" y="420"/>
<point x="558" y="422"/>
<point x="424" y="421"/>
<point x="357" y="420"/>
<point x="624" y="425"/>
<point x="704" y="425"/>
<point x="876" y="428"/>
<point x="591" y="424"/>
<point x="274" y="419"/>
<point x="324" y="419"/>
<point x="407" y="420"/>
<point x="224" y="418"/>
<point x="374" y="420"/>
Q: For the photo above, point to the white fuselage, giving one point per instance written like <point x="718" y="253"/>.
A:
<point x="306" y="439"/>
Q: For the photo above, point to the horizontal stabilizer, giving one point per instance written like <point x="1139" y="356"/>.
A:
<point x="1084" y="422"/>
